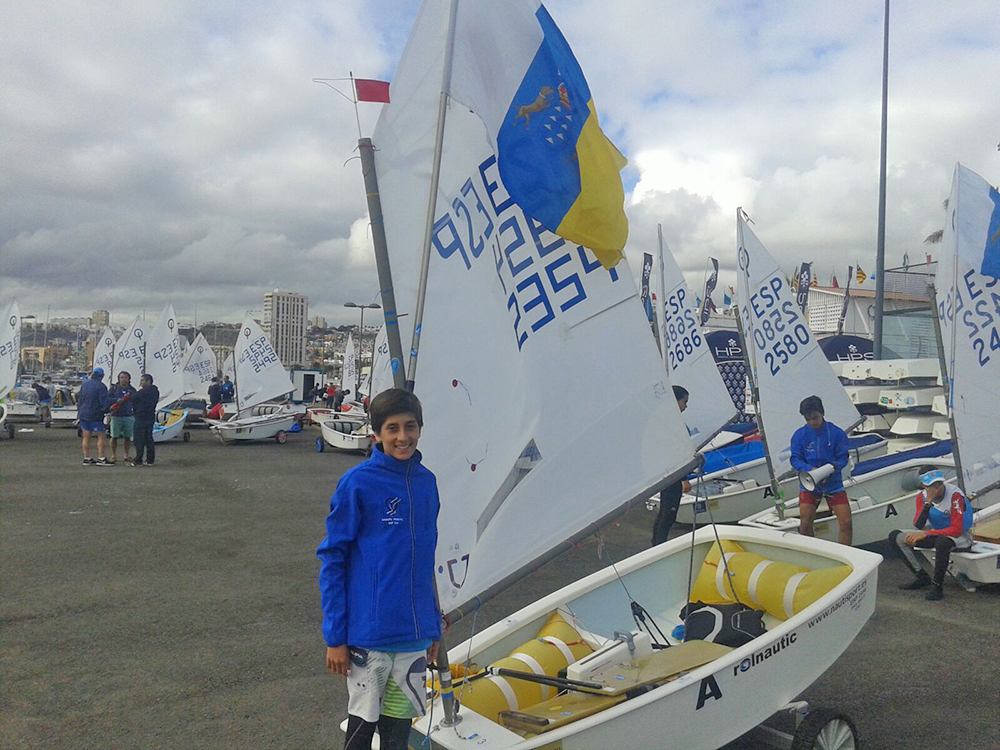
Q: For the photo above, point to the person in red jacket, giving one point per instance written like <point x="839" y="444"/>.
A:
<point x="948" y="512"/>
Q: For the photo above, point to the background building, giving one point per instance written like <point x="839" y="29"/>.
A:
<point x="284" y="321"/>
<point x="100" y="318"/>
<point x="318" y="322"/>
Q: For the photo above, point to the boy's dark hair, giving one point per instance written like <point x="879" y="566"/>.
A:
<point x="146" y="376"/>
<point x="680" y="392"/>
<point x="392" y="402"/>
<point x="811" y="405"/>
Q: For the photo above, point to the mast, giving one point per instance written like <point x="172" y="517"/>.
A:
<point x="880" y="250"/>
<point x="663" y="302"/>
<point x="948" y="386"/>
<point x="382" y="262"/>
<point x="236" y="388"/>
<point x="425" y="260"/>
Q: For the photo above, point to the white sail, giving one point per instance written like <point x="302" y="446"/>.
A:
<point x="786" y="361"/>
<point x="968" y="306"/>
<point x="349" y="372"/>
<point x="229" y="367"/>
<point x="163" y="358"/>
<point x="546" y="405"/>
<point x="200" y="366"/>
<point x="130" y="353"/>
<point x="260" y="376"/>
<point x="380" y="376"/>
<point x="687" y="357"/>
<point x="10" y="348"/>
<point x="104" y="352"/>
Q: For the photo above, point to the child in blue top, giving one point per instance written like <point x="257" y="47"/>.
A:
<point x="381" y="620"/>
<point x="819" y="443"/>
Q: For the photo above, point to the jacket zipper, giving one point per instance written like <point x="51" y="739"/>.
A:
<point x="413" y="554"/>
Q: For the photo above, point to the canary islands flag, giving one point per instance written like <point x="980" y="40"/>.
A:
<point x="513" y="67"/>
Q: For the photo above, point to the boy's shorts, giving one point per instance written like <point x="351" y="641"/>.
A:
<point x="814" y="498"/>
<point x="387" y="684"/>
<point x="123" y="427"/>
<point x="96" y="425"/>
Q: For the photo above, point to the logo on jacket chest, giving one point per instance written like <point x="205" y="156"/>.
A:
<point x="390" y="514"/>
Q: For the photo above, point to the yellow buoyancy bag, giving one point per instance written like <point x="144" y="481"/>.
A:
<point x="557" y="645"/>
<point x="781" y="589"/>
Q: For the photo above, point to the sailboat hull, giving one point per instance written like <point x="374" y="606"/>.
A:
<point x="880" y="504"/>
<point x="253" y="428"/>
<point x="172" y="429"/>
<point x="346" y="434"/>
<point x="64" y="416"/>
<point x="710" y="705"/>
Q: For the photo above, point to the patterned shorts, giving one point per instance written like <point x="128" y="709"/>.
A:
<point x="387" y="684"/>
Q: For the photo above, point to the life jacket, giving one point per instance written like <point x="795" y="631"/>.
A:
<point x="941" y="512"/>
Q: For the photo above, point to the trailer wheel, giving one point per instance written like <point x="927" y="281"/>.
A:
<point x="823" y="729"/>
<point x="186" y="437"/>
<point x="282" y="436"/>
<point x="320" y="445"/>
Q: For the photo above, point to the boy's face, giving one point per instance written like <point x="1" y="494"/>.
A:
<point x="399" y="435"/>
<point x="814" y="420"/>
<point x="682" y="404"/>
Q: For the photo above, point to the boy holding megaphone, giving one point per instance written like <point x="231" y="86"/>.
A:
<point x="819" y="454"/>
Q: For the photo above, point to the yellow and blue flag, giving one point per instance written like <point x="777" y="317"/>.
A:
<point x="555" y="160"/>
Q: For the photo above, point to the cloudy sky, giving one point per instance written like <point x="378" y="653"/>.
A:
<point x="155" y="151"/>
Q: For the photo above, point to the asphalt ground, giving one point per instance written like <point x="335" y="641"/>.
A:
<point x="176" y="607"/>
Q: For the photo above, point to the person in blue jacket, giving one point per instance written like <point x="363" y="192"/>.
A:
<point x="819" y="443"/>
<point x="92" y="404"/>
<point x="380" y="614"/>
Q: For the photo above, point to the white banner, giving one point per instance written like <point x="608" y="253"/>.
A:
<point x="687" y="358"/>
<point x="545" y="401"/>
<point x="163" y="358"/>
<point x="349" y="371"/>
<point x="200" y="366"/>
<point x="968" y="306"/>
<point x="785" y="358"/>
<point x="259" y="376"/>
<point x="10" y="347"/>
<point x="130" y="354"/>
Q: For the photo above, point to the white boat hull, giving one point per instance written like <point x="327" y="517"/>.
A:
<point x="879" y="504"/>
<point x="981" y="564"/>
<point x="19" y="411"/>
<point x="710" y="705"/>
<point x="346" y="434"/>
<point x="253" y="428"/>
<point x="64" y="416"/>
<point x="163" y="433"/>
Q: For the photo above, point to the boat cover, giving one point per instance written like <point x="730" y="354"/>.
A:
<point x="933" y="450"/>
<point x="734" y="455"/>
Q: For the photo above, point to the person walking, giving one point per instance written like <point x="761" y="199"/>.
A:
<point x="122" y="423"/>
<point x="331" y="395"/>
<point x="92" y="403"/>
<point x="44" y="399"/>
<point x="144" y="407"/>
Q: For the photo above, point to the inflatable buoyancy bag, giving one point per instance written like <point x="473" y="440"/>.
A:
<point x="725" y="624"/>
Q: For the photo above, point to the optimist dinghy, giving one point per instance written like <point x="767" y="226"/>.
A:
<point x="165" y="363"/>
<point x="345" y="434"/>
<point x="63" y="409"/>
<point x="10" y="357"/>
<point x="169" y="425"/>
<point x="522" y="472"/>
<point x="22" y="405"/>
<point x="258" y="376"/>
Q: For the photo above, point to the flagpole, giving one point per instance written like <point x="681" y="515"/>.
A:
<point x="357" y="116"/>
<point x="663" y="302"/>
<point x="425" y="261"/>
<point x="880" y="250"/>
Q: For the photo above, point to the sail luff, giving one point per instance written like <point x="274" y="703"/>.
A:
<point x="10" y="347"/>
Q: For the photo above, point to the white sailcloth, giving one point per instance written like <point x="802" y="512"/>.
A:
<point x="130" y="353"/>
<point x="200" y="366"/>
<point x="10" y="348"/>
<point x="349" y="373"/>
<point x="786" y="361"/>
<point x="968" y="306"/>
<point x="547" y="406"/>
<point x="104" y="352"/>
<point x="163" y="358"/>
<point x="229" y="367"/>
<point x="686" y="355"/>
<point x="380" y="376"/>
<point x="260" y="376"/>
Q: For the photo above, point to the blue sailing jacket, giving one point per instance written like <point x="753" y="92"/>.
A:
<point x="377" y="575"/>
<point x="813" y="448"/>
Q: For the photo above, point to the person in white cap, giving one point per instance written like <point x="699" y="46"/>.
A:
<point x="948" y="511"/>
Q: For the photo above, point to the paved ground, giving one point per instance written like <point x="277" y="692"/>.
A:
<point x="176" y="607"/>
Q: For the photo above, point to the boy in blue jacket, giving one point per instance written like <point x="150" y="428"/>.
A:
<point x="815" y="444"/>
<point x="380" y="614"/>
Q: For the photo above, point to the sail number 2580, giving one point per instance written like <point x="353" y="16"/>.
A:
<point x="779" y="331"/>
